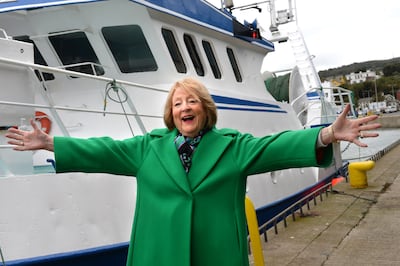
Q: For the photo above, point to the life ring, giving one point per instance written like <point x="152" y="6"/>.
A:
<point x="44" y="120"/>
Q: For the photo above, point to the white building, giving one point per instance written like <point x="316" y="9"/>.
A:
<point x="362" y="76"/>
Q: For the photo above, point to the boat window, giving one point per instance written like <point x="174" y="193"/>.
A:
<point x="174" y="51"/>
<point x="129" y="48"/>
<point x="194" y="55"/>
<point x="38" y="58"/>
<point x="234" y="64"/>
<point x="211" y="59"/>
<point x="75" y="52"/>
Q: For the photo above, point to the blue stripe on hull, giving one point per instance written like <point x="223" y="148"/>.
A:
<point x="114" y="255"/>
<point x="230" y="103"/>
<point x="249" y="109"/>
<point x="236" y="101"/>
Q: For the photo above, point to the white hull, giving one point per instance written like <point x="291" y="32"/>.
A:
<point x="47" y="214"/>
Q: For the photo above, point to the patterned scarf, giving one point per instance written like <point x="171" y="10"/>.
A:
<point x="186" y="147"/>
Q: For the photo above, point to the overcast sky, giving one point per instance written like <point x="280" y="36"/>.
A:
<point x="337" y="32"/>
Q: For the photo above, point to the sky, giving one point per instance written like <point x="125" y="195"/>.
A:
<point x="336" y="32"/>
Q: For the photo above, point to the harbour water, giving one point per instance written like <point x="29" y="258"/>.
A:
<point x="387" y="137"/>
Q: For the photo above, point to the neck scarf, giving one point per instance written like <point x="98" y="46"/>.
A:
<point x="186" y="147"/>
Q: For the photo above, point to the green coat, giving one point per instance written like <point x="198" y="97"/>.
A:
<point x="199" y="218"/>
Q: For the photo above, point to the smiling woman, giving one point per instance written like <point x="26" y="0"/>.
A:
<point x="191" y="174"/>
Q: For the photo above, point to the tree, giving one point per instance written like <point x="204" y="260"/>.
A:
<point x="391" y="69"/>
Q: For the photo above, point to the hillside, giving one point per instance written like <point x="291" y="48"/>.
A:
<point x="376" y="65"/>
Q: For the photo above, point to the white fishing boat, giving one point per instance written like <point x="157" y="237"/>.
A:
<point x="89" y="68"/>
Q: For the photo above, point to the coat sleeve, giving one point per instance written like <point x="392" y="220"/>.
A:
<point x="99" y="155"/>
<point x="288" y="149"/>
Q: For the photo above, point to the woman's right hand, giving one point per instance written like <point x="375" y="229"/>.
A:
<point x="35" y="139"/>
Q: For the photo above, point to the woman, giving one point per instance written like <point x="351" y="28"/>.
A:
<point x="191" y="176"/>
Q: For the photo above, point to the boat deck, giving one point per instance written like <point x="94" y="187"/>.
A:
<point x="348" y="227"/>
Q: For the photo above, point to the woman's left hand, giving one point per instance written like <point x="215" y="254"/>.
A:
<point x="353" y="130"/>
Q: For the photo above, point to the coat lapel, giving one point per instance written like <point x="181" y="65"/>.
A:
<point x="206" y="156"/>
<point x="169" y="158"/>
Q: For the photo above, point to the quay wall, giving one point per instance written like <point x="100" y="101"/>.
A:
<point x="389" y="121"/>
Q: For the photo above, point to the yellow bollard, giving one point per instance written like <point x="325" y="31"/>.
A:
<point x="252" y="225"/>
<point x="358" y="173"/>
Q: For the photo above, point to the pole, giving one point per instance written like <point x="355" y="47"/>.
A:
<point x="252" y="225"/>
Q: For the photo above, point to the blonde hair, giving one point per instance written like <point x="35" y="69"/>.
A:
<point x="196" y="88"/>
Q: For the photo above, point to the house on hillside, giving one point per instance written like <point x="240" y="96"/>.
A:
<point x="362" y="76"/>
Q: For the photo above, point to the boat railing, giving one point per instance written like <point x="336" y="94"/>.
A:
<point x="92" y="66"/>
<point x="316" y="120"/>
<point x="298" y="98"/>
<point x="5" y="36"/>
<point x="342" y="97"/>
<point x="36" y="76"/>
<point x="57" y="70"/>
<point x="331" y="104"/>
<point x="48" y="69"/>
<point x="292" y="209"/>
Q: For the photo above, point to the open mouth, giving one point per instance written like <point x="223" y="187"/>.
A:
<point x="187" y="118"/>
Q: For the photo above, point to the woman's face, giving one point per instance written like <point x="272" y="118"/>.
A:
<point x="188" y="113"/>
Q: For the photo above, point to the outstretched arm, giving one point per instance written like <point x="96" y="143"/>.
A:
<point x="36" y="139"/>
<point x="350" y="129"/>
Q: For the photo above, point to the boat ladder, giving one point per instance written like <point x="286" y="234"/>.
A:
<point x="304" y="61"/>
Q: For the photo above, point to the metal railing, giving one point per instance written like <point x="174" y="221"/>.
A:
<point x="338" y="98"/>
<point x="291" y="210"/>
<point x="42" y="84"/>
<point x="253" y="239"/>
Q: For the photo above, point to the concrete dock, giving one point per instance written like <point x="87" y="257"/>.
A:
<point x="348" y="227"/>
<point x="391" y="120"/>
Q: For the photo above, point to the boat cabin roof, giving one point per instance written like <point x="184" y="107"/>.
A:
<point x="196" y="11"/>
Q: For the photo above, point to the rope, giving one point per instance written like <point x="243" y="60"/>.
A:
<point x="333" y="191"/>
<point x="347" y="146"/>
<point x="112" y="86"/>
